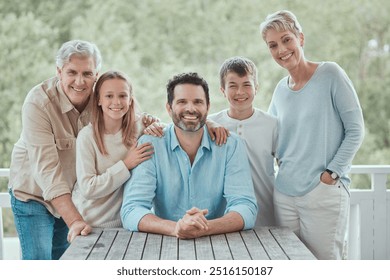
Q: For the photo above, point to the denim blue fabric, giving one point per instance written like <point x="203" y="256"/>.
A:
<point x="42" y="236"/>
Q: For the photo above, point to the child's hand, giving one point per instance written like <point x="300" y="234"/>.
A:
<point x="218" y="133"/>
<point x="155" y="129"/>
<point x="148" y="119"/>
<point x="139" y="154"/>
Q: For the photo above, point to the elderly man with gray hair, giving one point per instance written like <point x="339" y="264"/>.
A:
<point x="42" y="172"/>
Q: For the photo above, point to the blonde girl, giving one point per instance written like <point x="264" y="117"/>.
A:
<point x="107" y="151"/>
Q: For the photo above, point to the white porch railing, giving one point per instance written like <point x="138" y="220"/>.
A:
<point x="370" y="216"/>
<point x="4" y="203"/>
<point x="369" y="234"/>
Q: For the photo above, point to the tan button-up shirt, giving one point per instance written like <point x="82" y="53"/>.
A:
<point x="43" y="163"/>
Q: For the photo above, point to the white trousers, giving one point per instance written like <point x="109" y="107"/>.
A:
<point x="319" y="218"/>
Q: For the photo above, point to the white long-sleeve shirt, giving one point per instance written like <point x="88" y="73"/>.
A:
<point x="259" y="133"/>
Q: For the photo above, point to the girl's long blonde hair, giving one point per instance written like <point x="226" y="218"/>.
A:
<point x="129" y="121"/>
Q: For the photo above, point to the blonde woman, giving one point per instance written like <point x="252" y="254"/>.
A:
<point x="321" y="129"/>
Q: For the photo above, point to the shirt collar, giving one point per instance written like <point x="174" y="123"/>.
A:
<point x="175" y="142"/>
<point x="65" y="104"/>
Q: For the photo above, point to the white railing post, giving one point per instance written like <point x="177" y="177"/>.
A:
<point x="1" y="235"/>
<point x="354" y="230"/>
<point x="378" y="184"/>
<point x="4" y="202"/>
<point x="374" y="208"/>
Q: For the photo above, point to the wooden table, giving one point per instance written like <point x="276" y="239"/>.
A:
<point x="264" y="243"/>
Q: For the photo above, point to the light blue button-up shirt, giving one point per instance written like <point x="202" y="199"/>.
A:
<point x="167" y="185"/>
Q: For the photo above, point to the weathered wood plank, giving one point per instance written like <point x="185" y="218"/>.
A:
<point x="270" y="245"/>
<point x="204" y="250"/>
<point x="220" y="247"/>
<point x="237" y="246"/>
<point x="292" y="246"/>
<point x="136" y="246"/>
<point x="152" y="247"/>
<point x="260" y="243"/>
<point x="187" y="249"/>
<point x="255" y="248"/>
<point x="103" y="245"/>
<point x="169" y="247"/>
<point x="81" y="246"/>
<point x="120" y="245"/>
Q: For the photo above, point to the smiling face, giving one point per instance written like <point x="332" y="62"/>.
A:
<point x="114" y="99"/>
<point x="285" y="47"/>
<point x="240" y="92"/>
<point x="77" y="78"/>
<point x="189" y="107"/>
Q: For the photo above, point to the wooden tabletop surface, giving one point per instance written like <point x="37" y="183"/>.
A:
<point x="263" y="243"/>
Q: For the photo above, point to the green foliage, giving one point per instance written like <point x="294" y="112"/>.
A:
<point x="153" y="39"/>
<point x="26" y="48"/>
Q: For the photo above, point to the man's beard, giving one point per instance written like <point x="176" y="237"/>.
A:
<point x="188" y="125"/>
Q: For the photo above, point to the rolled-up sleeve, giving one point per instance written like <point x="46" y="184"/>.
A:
<point x="238" y="189"/>
<point x="139" y="193"/>
<point x="50" y="157"/>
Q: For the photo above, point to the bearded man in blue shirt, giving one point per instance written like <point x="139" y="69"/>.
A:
<point x="191" y="187"/>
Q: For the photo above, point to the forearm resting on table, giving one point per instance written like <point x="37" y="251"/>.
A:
<point x="153" y="224"/>
<point x="230" y="222"/>
<point x="67" y="210"/>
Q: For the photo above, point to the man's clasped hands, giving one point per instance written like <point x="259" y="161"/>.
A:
<point x="193" y="224"/>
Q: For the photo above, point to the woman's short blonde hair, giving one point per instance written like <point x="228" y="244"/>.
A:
<point x="281" y="21"/>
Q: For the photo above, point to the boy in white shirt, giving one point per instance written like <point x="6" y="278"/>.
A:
<point x="259" y="130"/>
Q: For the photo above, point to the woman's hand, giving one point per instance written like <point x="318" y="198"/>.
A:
<point x="327" y="179"/>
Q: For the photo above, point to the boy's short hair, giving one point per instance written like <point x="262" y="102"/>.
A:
<point x="239" y="65"/>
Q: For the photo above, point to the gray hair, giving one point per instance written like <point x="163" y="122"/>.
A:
<point x="281" y="21"/>
<point x="79" y="48"/>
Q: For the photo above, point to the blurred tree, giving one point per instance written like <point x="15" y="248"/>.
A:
<point x="152" y="40"/>
<point x="27" y="57"/>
